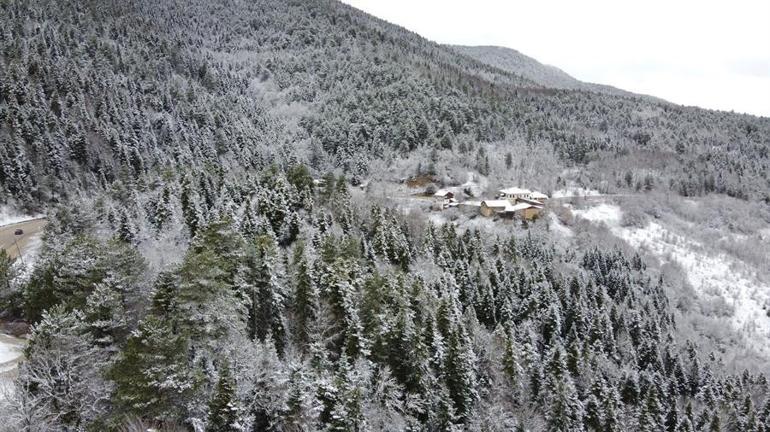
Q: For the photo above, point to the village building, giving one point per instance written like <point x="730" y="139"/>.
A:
<point x="443" y="198"/>
<point x="491" y="207"/>
<point x="538" y="196"/>
<point x="529" y="211"/>
<point x="515" y="202"/>
<point x="514" y="194"/>
<point x="522" y="210"/>
<point x="531" y="201"/>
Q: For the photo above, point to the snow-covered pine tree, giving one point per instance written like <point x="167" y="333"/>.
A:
<point x="152" y="375"/>
<point x="223" y="410"/>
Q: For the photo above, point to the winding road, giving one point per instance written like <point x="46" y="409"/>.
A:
<point x="13" y="243"/>
<point x="11" y="348"/>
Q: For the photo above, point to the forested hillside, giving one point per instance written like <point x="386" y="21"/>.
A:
<point x="94" y="92"/>
<point x="210" y="263"/>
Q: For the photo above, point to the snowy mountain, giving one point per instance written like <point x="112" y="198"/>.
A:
<point x="510" y="60"/>
<point x="242" y="233"/>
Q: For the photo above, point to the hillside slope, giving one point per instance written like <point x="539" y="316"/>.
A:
<point x="318" y="82"/>
<point x="229" y="246"/>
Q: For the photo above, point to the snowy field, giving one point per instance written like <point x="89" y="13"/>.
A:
<point x="711" y="274"/>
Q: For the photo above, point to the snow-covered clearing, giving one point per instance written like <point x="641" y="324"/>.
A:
<point x="711" y="274"/>
<point x="437" y="218"/>
<point x="574" y="191"/>
<point x="556" y="226"/>
<point x="475" y="185"/>
<point x="608" y="213"/>
<point x="9" y="216"/>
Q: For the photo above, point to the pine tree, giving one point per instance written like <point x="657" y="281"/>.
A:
<point x="339" y="283"/>
<point x="564" y="411"/>
<point x="207" y="306"/>
<point x="764" y="415"/>
<point x="594" y="418"/>
<point x="685" y="425"/>
<point x="301" y="405"/>
<point x="441" y="414"/>
<point x="165" y="292"/>
<point x="223" y="410"/>
<point x="266" y="313"/>
<point x="161" y="212"/>
<point x="406" y="354"/>
<point x="612" y="410"/>
<point x="152" y="376"/>
<point x="306" y="299"/>
<point x="672" y="418"/>
<point x="65" y="277"/>
<point x="126" y="229"/>
<point x="8" y="285"/>
<point x="651" y="416"/>
<point x="460" y="372"/>
<point x="106" y="316"/>
<point x="190" y="207"/>
<point x="715" y="425"/>
<point x="345" y="412"/>
<point x="268" y="389"/>
<point x="512" y="366"/>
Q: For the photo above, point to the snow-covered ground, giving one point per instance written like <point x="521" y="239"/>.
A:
<point x="607" y="213"/>
<point x="574" y="191"/>
<point x="475" y="184"/>
<point x="556" y="226"/>
<point x="31" y="253"/>
<point x="10" y="352"/>
<point x="710" y="273"/>
<point x="436" y="218"/>
<point x="9" y="216"/>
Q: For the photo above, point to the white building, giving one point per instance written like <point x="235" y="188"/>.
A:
<point x="538" y="196"/>
<point x="443" y="198"/>
<point x="513" y="194"/>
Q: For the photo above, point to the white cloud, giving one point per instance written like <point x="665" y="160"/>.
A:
<point x="706" y="53"/>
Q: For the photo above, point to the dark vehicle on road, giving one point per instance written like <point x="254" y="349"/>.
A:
<point x="18" y="232"/>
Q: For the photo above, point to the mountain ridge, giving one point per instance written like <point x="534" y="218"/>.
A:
<point x="514" y="61"/>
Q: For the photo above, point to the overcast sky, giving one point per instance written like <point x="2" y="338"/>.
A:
<point x="706" y="53"/>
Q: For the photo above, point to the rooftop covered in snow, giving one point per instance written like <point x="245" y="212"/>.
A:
<point x="443" y="193"/>
<point x="514" y="191"/>
<point x="516" y="207"/>
<point x="496" y="203"/>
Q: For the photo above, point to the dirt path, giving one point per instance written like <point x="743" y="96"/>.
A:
<point x="32" y="230"/>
